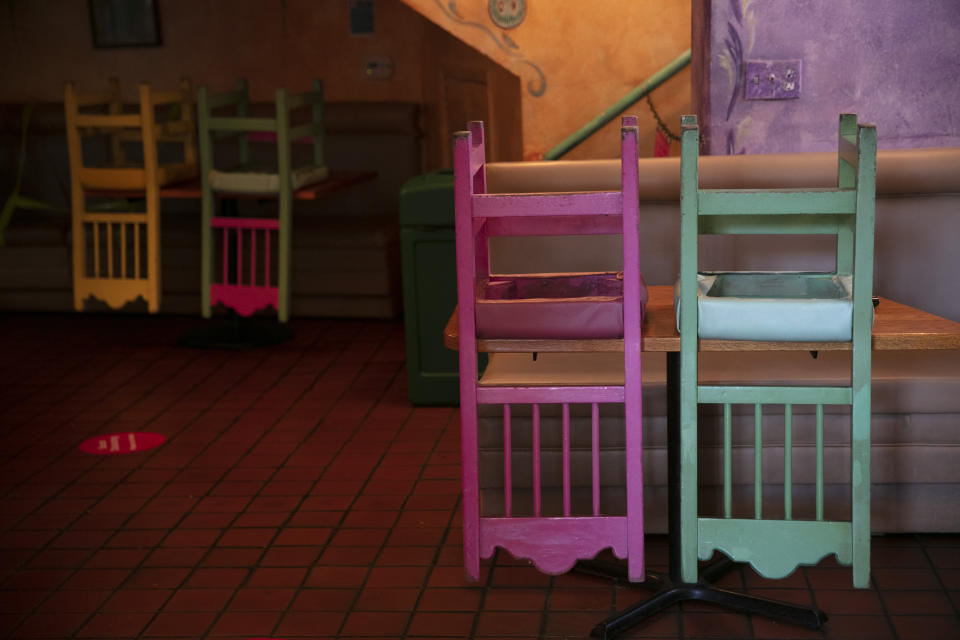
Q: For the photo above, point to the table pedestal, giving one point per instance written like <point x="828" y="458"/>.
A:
<point x="671" y="589"/>
<point x="237" y="333"/>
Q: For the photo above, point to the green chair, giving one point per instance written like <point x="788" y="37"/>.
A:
<point x="246" y="278"/>
<point x="797" y="310"/>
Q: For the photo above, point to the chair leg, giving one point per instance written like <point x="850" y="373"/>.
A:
<point x="860" y="487"/>
<point x="471" y="486"/>
<point x="284" y="249"/>
<point x="154" y="287"/>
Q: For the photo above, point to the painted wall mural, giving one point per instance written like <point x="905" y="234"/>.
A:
<point x="574" y="60"/>
<point x="538" y="86"/>
<point x="893" y="63"/>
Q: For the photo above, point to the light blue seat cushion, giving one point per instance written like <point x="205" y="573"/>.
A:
<point x="775" y="306"/>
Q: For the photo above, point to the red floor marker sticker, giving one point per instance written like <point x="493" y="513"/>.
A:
<point x="116" y="444"/>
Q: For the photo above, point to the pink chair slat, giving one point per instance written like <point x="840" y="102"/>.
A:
<point x="556" y="225"/>
<point x="558" y="542"/>
<point x="225" y="256"/>
<point x="565" y="435"/>
<point x="499" y="395"/>
<point x="244" y="223"/>
<point x="239" y="257"/>
<point x="595" y="456"/>
<point x="537" y="489"/>
<point x="536" y="205"/>
<point x="507" y="462"/>
<point x="552" y="541"/>
<point x="253" y="257"/>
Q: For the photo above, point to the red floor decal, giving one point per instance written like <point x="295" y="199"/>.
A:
<point x="116" y="444"/>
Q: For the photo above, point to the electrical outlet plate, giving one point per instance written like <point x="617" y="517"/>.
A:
<point x="773" y="79"/>
<point x="378" y="68"/>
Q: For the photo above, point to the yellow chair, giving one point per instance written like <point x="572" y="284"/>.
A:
<point x="116" y="254"/>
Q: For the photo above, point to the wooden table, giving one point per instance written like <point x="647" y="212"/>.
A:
<point x="897" y="327"/>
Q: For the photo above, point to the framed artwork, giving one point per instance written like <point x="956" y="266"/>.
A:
<point x="124" y="23"/>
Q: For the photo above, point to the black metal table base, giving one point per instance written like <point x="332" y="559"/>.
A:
<point x="670" y="592"/>
<point x="237" y="333"/>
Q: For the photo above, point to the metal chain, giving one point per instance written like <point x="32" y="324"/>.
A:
<point x="661" y="125"/>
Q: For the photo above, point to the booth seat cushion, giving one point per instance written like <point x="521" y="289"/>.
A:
<point x="262" y="180"/>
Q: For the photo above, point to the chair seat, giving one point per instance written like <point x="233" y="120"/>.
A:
<point x="134" y="177"/>
<point x="773" y="306"/>
<point x="261" y="180"/>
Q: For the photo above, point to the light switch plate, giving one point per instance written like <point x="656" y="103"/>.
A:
<point x="378" y="68"/>
<point x="772" y="79"/>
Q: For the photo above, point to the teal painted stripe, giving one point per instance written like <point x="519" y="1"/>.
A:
<point x="819" y="462"/>
<point x="757" y="461"/>
<point x="727" y="461"/>
<point x="714" y="202"/>
<point x="716" y="394"/>
<point x="774" y="548"/>
<point x="826" y="224"/>
<point x="788" y="461"/>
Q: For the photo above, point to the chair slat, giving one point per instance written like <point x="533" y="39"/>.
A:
<point x="554" y="204"/>
<point x="788" y="461"/>
<point x="537" y="495"/>
<point x="507" y="462"/>
<point x="757" y="461"/>
<point x="717" y="394"/>
<point x="715" y="202"/>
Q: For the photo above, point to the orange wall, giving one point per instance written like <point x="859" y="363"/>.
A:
<point x="44" y="43"/>
<point x="590" y="54"/>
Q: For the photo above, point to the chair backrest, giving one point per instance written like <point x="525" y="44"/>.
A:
<point x="774" y="546"/>
<point x="552" y="538"/>
<point x="278" y="128"/>
<point x="162" y="116"/>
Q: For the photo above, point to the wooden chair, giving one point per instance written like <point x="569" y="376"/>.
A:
<point x="248" y="280"/>
<point x="116" y="255"/>
<point x="798" y="310"/>
<point x="600" y="307"/>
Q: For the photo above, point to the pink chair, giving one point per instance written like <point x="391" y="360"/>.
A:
<point x="566" y="310"/>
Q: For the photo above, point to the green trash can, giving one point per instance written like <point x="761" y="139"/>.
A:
<point x="429" y="265"/>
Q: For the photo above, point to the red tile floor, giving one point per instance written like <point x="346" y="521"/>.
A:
<point x="300" y="495"/>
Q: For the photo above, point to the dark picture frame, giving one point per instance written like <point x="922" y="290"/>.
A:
<point x="124" y="23"/>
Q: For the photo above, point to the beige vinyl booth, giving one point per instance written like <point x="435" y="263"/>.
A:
<point x="916" y="395"/>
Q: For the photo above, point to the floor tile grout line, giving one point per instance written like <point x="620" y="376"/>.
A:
<point x="353" y="434"/>
<point x="446" y="531"/>
<point x="68" y="451"/>
<point x="192" y="571"/>
<point x="337" y="527"/>
<point x="226" y="361"/>
<point x="943" y="587"/>
<point x="91" y="553"/>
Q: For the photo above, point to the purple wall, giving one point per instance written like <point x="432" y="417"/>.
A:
<point x="893" y="63"/>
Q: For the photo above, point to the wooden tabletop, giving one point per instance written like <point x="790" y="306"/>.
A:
<point x="191" y="190"/>
<point x="896" y="327"/>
